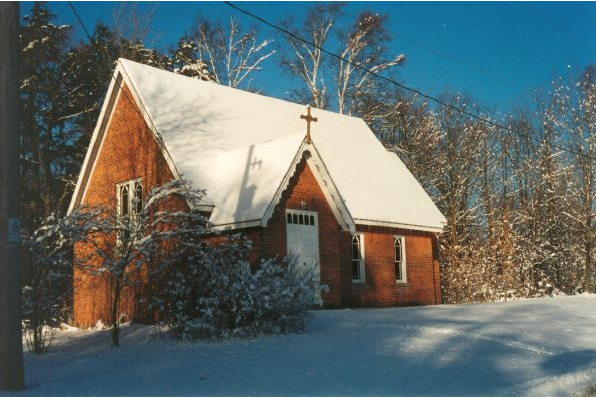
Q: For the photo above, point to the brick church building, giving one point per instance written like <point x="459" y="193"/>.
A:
<point x="333" y="195"/>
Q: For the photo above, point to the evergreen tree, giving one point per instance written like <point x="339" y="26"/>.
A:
<point x="47" y="143"/>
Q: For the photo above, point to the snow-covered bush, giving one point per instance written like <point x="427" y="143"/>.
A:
<point x="47" y="295"/>
<point x="201" y="280"/>
<point x="283" y="296"/>
<point x="211" y="291"/>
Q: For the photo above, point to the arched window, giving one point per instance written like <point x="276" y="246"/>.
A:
<point x="130" y="197"/>
<point x="130" y="205"/>
<point x="357" y="258"/>
<point x="400" y="259"/>
<point x="123" y="200"/>
<point x="138" y="199"/>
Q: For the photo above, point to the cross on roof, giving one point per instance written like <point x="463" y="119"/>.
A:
<point x="308" y="119"/>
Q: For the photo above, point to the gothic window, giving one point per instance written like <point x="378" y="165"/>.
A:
<point x="130" y="197"/>
<point x="357" y="258"/>
<point x="130" y="206"/>
<point x="138" y="197"/>
<point x="123" y="199"/>
<point x="400" y="259"/>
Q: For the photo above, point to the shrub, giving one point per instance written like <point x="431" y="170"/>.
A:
<point x="213" y="293"/>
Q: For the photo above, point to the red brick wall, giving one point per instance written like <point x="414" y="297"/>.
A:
<point x="422" y="269"/>
<point x="380" y="287"/>
<point x="128" y="152"/>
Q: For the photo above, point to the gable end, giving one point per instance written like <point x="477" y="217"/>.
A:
<point x="120" y="85"/>
<point x="325" y="182"/>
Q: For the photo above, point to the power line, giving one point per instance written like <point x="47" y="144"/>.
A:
<point x="108" y="67"/>
<point x="356" y="65"/>
<point x="443" y="54"/>
<point x="113" y="76"/>
<point x="392" y="81"/>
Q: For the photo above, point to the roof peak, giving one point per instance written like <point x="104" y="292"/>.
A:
<point x="128" y="64"/>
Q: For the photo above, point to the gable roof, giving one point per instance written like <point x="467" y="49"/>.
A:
<point x="242" y="147"/>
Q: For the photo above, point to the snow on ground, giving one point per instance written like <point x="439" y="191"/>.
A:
<point x="528" y="347"/>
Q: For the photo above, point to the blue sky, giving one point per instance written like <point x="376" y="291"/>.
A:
<point x="498" y="52"/>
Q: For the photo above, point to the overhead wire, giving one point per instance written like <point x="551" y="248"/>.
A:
<point x="109" y="68"/>
<point x="394" y="82"/>
<point x="136" y="106"/>
<point x="443" y="54"/>
<point x="334" y="55"/>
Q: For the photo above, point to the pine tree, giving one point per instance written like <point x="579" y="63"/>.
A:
<point x="47" y="143"/>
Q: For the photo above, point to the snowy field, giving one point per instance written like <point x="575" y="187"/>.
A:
<point x="528" y="347"/>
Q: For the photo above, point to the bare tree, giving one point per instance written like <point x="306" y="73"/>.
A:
<point x="227" y="56"/>
<point x="133" y="34"/>
<point x="306" y="61"/>
<point x="112" y="251"/>
<point x="458" y="154"/>
<point x="364" y="45"/>
<point x="131" y="23"/>
<point x="122" y="239"/>
<point x="408" y="128"/>
<point x="47" y="294"/>
<point x="573" y="114"/>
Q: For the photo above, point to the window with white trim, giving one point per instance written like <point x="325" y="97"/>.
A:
<point x="130" y="203"/>
<point x="399" y="250"/>
<point x="358" y="258"/>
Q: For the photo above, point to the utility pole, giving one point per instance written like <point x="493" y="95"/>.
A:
<point x="11" y="344"/>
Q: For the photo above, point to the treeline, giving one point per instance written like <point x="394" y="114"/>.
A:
<point x="520" y="205"/>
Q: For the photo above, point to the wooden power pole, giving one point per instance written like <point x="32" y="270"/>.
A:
<point x="11" y="344"/>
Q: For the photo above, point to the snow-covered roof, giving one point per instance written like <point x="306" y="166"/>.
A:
<point x="241" y="147"/>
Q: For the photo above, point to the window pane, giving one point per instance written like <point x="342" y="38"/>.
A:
<point x="398" y="251"/>
<point x="295" y="218"/>
<point x="124" y="209"/>
<point x="301" y="219"/>
<point x="138" y="197"/>
<point x="289" y="218"/>
<point x="312" y="220"/>
<point x="356" y="247"/>
<point x="398" y="273"/>
<point x="355" y="269"/>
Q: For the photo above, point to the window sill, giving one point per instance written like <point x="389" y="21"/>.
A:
<point x="402" y="283"/>
<point x="359" y="283"/>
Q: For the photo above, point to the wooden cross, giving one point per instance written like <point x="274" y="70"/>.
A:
<point x="308" y="119"/>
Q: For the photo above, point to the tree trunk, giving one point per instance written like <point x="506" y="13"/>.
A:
<point x="115" y="304"/>
<point x="589" y="270"/>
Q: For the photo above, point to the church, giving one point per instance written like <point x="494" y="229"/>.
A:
<point x="294" y="180"/>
